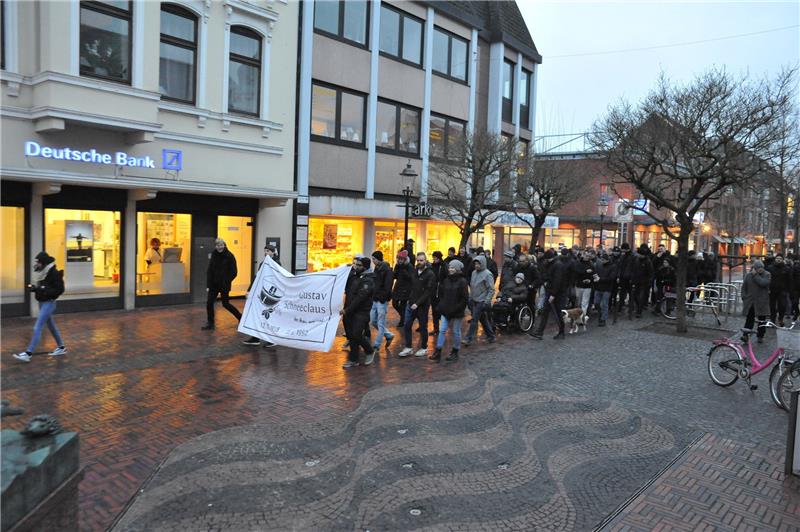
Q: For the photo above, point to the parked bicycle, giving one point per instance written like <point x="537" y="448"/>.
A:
<point x="789" y="382"/>
<point x="729" y="361"/>
<point x="697" y="298"/>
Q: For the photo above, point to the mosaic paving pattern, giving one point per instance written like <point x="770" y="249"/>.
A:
<point x="466" y="454"/>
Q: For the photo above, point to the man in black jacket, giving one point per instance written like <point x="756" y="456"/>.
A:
<point x="779" y="288"/>
<point x="382" y="274"/>
<point x="48" y="285"/>
<point x="641" y="279"/>
<point x="219" y="277"/>
<point x="403" y="270"/>
<point x="355" y="314"/>
<point x="440" y="272"/>
<point x="556" y="287"/>
<point x="419" y="302"/>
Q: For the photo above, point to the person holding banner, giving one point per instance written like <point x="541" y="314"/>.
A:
<point x="355" y="314"/>
<point x="269" y="251"/>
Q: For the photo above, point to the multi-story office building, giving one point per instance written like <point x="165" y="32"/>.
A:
<point x="385" y="82"/>
<point x="124" y="121"/>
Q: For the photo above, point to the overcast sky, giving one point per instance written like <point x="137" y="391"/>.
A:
<point x="577" y="80"/>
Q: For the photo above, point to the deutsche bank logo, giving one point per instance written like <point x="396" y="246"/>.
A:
<point x="172" y="159"/>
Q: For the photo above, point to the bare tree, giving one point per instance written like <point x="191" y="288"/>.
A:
<point x="684" y="145"/>
<point x="783" y="180"/>
<point x="469" y="189"/>
<point x="544" y="186"/>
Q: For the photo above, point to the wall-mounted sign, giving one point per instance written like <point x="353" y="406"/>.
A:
<point x="699" y="217"/>
<point x="623" y="213"/>
<point x="421" y="210"/>
<point x="170" y="159"/>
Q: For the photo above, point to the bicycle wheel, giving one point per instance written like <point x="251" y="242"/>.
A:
<point x="778" y="369"/>
<point x="525" y="318"/>
<point x="789" y="381"/>
<point x="724" y="362"/>
<point x="668" y="308"/>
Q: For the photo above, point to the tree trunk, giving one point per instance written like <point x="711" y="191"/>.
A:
<point x="796" y="225"/>
<point x="535" y="236"/>
<point x="465" y="234"/>
<point x="680" y="275"/>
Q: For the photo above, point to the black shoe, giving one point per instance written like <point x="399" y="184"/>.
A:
<point x="601" y="323"/>
<point x="437" y="355"/>
<point x="537" y="337"/>
<point x="269" y="344"/>
<point x="389" y="341"/>
<point x="760" y="340"/>
<point x="638" y="315"/>
<point x="252" y="341"/>
<point x="559" y="336"/>
<point x="207" y="327"/>
<point x="491" y="340"/>
<point x="453" y="356"/>
<point x="465" y="343"/>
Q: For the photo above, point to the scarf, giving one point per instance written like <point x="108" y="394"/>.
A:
<point x="39" y="276"/>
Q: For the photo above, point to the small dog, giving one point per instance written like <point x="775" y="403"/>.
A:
<point x="574" y="318"/>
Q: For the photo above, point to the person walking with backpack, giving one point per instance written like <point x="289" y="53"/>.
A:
<point x="47" y="286"/>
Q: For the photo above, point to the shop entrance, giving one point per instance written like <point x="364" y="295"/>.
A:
<point x="237" y="232"/>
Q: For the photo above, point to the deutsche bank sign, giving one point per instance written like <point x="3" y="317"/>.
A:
<point x="170" y="159"/>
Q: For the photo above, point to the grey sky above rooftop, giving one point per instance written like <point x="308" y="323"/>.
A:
<point x="595" y="53"/>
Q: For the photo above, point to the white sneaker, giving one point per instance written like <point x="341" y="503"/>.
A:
<point x="58" y="351"/>
<point x="369" y="359"/>
<point x="349" y="364"/>
<point x="24" y="356"/>
<point x="421" y="353"/>
<point x="405" y="352"/>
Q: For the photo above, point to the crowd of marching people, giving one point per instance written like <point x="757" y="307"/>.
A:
<point x="563" y="285"/>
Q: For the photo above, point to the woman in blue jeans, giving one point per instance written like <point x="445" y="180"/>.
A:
<point x="48" y="285"/>
<point x="453" y="296"/>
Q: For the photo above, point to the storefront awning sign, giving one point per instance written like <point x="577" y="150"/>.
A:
<point x="170" y="159"/>
<point x="514" y="219"/>
<point x="300" y="311"/>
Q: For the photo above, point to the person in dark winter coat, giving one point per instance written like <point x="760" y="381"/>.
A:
<point x="403" y="271"/>
<point x="779" y="288"/>
<point x="795" y="295"/>
<point x="47" y="286"/>
<point x="271" y="252"/>
<point x="556" y="290"/>
<point x="355" y="314"/>
<point x="453" y="298"/>
<point x="491" y="265"/>
<point x="624" y="263"/>
<point x="219" y="277"/>
<point x="710" y="263"/>
<point x="532" y="278"/>
<point x="641" y="279"/>
<point x="423" y="284"/>
<point x="440" y="272"/>
<point x="382" y="277"/>
<point x="756" y="298"/>
<point x="514" y="292"/>
<point x="583" y="276"/>
<point x="509" y="268"/>
<point x="606" y="271"/>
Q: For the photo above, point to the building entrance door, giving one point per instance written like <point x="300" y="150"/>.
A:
<point x="202" y="247"/>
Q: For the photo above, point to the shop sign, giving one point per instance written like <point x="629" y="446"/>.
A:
<point x="170" y="159"/>
<point x="550" y="222"/>
<point x="510" y="218"/>
<point x="421" y="210"/>
<point x="623" y="213"/>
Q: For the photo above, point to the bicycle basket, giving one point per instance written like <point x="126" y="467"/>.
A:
<point x="789" y="339"/>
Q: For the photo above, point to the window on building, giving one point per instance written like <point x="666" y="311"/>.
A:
<point x="397" y="128"/>
<point x="401" y="35"/>
<point x="337" y="115"/>
<point x="343" y="19"/>
<point x="163" y="253"/>
<point x="86" y="244"/>
<point x="105" y="40"/>
<point x="508" y="90"/>
<point x="447" y="138"/>
<point x="178" y="50"/>
<point x="244" y="72"/>
<point x="524" y="99"/>
<point x="449" y="55"/>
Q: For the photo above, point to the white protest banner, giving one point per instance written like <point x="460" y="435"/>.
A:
<point x="299" y="311"/>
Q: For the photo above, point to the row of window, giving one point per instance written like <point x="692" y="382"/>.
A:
<point x="401" y="35"/>
<point x="105" y="52"/>
<point x="339" y="116"/>
<point x="508" y="94"/>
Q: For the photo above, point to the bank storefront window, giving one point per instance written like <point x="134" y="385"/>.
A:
<point x="389" y="238"/>
<point x="86" y="245"/>
<point x="237" y="232"/>
<point x="333" y="242"/>
<point x="12" y="274"/>
<point x="163" y="246"/>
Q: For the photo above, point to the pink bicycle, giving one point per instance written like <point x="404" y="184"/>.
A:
<point x="729" y="361"/>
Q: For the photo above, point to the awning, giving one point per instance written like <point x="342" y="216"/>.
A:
<point x="729" y="240"/>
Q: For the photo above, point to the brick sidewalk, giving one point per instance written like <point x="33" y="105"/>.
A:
<point x="138" y="384"/>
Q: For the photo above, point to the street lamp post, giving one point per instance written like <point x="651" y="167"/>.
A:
<point x="408" y="175"/>
<point x="602" y="210"/>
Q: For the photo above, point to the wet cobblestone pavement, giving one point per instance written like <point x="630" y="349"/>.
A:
<point x="517" y="435"/>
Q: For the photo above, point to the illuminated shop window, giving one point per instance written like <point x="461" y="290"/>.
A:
<point x="12" y="273"/>
<point x="389" y="238"/>
<point x="163" y="244"/>
<point x="334" y="242"/>
<point x="237" y="232"/>
<point x="86" y="245"/>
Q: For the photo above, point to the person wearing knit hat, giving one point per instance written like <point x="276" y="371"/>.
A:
<point x="755" y="299"/>
<point x="47" y="286"/>
<point x="453" y="298"/>
<point x="439" y="268"/>
<point x="403" y="272"/>
<point x="355" y="313"/>
<point x="382" y="273"/>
